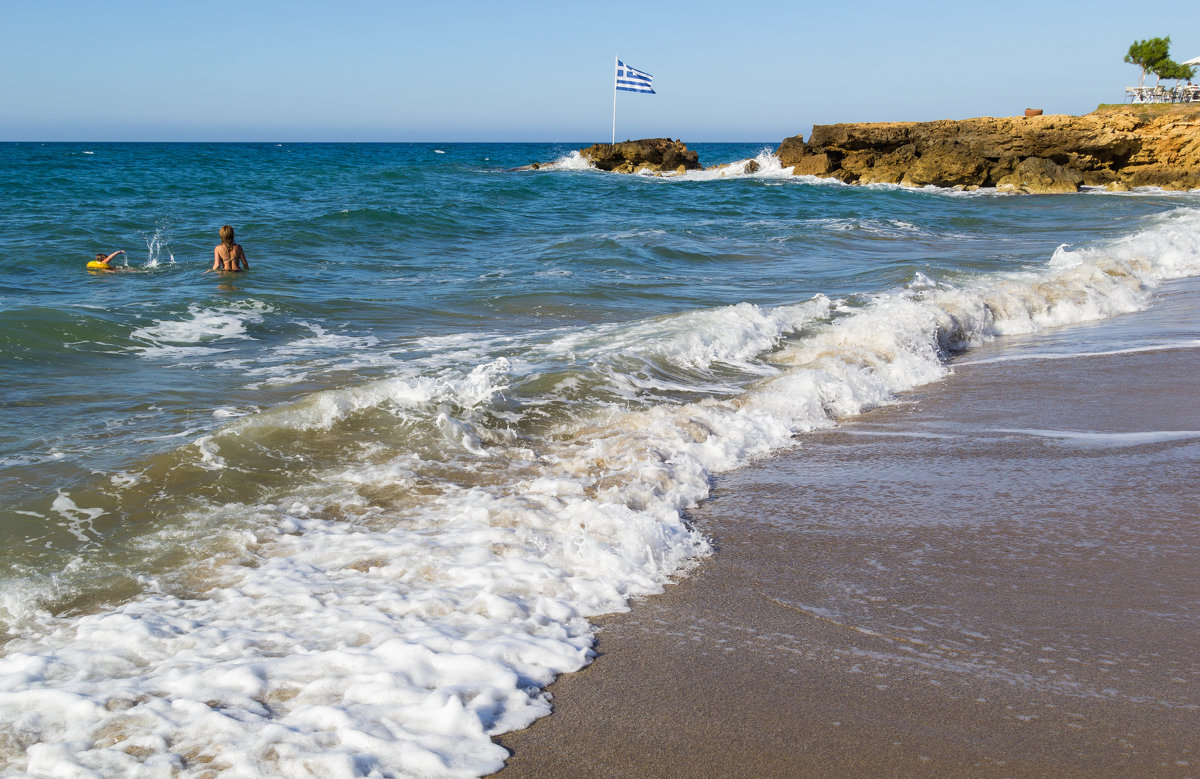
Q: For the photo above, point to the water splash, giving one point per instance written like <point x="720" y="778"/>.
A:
<point x="158" y="244"/>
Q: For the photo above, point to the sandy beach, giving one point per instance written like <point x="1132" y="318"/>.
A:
<point x="995" y="577"/>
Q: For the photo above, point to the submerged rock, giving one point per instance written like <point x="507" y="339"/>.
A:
<point x="655" y="154"/>
<point x="1118" y="146"/>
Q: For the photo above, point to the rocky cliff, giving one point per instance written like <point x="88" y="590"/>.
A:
<point x="1118" y="147"/>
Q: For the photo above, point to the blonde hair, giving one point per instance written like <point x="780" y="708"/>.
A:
<point x="227" y="235"/>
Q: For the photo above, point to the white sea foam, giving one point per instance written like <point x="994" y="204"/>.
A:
<point x="1117" y="440"/>
<point x="79" y="520"/>
<point x="321" y="410"/>
<point x="732" y="335"/>
<point x="210" y="458"/>
<point x="889" y="228"/>
<point x="868" y="432"/>
<point x="1162" y="346"/>
<point x="765" y="166"/>
<point x="322" y="341"/>
<point x="320" y="353"/>
<point x="204" y="325"/>
<point x="230" y="412"/>
<point x="572" y="161"/>
<point x="30" y="458"/>
<point x="122" y="479"/>
<point x="390" y="614"/>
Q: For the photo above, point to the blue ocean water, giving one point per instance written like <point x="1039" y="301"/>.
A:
<point x="350" y="510"/>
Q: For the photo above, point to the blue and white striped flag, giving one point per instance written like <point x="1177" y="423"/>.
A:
<point x="633" y="80"/>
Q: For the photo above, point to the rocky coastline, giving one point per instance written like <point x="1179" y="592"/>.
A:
<point x="1118" y="147"/>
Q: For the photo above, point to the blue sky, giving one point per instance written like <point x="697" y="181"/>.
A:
<point x="459" y="70"/>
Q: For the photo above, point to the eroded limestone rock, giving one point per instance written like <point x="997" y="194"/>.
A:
<point x="1038" y="175"/>
<point x="1128" y="145"/>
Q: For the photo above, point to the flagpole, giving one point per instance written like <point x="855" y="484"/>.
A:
<point x="615" y="61"/>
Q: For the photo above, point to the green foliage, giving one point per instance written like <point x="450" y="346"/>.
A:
<point x="1148" y="53"/>
<point x="1170" y="69"/>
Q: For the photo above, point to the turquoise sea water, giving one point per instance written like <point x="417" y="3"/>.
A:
<point x="349" y="511"/>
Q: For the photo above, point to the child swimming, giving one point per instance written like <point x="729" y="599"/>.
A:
<point x="101" y="262"/>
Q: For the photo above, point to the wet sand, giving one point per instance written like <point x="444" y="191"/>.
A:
<point x="952" y="586"/>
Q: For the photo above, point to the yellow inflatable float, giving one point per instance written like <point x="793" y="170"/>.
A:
<point x="101" y="261"/>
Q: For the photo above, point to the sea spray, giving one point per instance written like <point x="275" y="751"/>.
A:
<point x="158" y="245"/>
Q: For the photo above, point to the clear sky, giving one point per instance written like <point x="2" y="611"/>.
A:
<point x="469" y="70"/>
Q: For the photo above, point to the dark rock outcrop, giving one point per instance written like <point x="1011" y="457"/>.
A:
<point x="655" y="154"/>
<point x="1118" y="147"/>
<point x="1038" y="174"/>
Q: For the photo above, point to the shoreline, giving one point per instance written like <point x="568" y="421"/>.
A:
<point x="935" y="588"/>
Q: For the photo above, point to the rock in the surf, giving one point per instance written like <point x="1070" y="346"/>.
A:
<point x="654" y="154"/>
<point x="1038" y="175"/>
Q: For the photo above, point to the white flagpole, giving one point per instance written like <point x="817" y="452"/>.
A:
<point x="615" y="61"/>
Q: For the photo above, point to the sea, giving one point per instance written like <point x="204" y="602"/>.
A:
<point x="349" y="512"/>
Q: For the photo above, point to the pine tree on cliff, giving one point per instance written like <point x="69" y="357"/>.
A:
<point x="1170" y="69"/>
<point x="1147" y="54"/>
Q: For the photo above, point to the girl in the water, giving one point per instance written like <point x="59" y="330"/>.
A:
<point x="228" y="256"/>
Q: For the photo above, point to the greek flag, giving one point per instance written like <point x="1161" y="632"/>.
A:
<point x="632" y="79"/>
